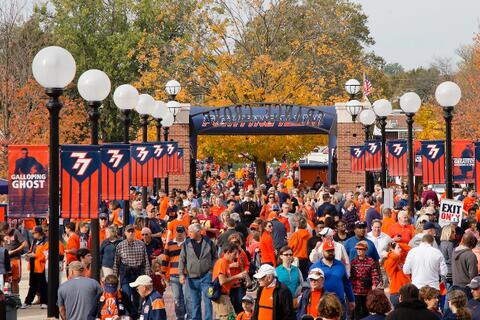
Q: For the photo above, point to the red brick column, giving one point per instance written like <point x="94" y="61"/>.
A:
<point x="348" y="134"/>
<point x="180" y="132"/>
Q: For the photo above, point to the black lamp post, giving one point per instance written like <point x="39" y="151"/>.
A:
<point x="53" y="68"/>
<point x="410" y="102"/>
<point x="126" y="139"/>
<point x="382" y="109"/>
<point x="448" y="94"/>
<point x="367" y="119"/>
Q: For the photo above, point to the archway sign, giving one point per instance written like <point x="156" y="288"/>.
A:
<point x="262" y="119"/>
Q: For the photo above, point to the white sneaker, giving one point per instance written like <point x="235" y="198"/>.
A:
<point x="25" y="306"/>
<point x="43" y="306"/>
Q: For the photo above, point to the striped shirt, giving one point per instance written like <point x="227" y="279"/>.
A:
<point x="170" y="258"/>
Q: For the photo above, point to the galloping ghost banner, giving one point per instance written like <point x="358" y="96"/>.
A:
<point x="463" y="161"/>
<point x="28" y="181"/>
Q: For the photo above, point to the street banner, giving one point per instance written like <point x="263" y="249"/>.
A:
<point x="397" y="158"/>
<point x="115" y="171"/>
<point x="80" y="181"/>
<point x="28" y="181"/>
<point x="160" y="160"/>
<point x="433" y="162"/>
<point x="172" y="148"/>
<point x="357" y="158"/>
<point x="181" y="161"/>
<point x="477" y="165"/>
<point x="417" y="151"/>
<point x="450" y="211"/>
<point x="3" y="212"/>
<point x="463" y="161"/>
<point x="373" y="155"/>
<point x="141" y="161"/>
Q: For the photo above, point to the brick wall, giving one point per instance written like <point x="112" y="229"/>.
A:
<point x="180" y="132"/>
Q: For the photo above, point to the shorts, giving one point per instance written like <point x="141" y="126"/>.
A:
<point x="222" y="308"/>
<point x="16" y="269"/>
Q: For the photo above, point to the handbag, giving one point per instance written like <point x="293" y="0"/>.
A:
<point x="214" y="290"/>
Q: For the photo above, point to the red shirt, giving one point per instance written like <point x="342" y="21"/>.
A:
<point x="73" y="242"/>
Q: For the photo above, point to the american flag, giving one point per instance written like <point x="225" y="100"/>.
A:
<point x="367" y="85"/>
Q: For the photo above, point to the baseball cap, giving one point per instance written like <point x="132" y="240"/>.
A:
<point x="264" y="270"/>
<point x="38" y="229"/>
<point x="129" y="227"/>
<point x="327" y="232"/>
<point x="103" y="215"/>
<point x="361" y="245"/>
<point x="142" y="280"/>
<point x="360" y="224"/>
<point x="428" y="225"/>
<point x="328" y="245"/>
<point x="316" y="273"/>
<point x="180" y="229"/>
<point x="248" y="299"/>
<point x="474" y="283"/>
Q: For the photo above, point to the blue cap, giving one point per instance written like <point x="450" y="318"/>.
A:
<point x="428" y="225"/>
<point x="275" y="208"/>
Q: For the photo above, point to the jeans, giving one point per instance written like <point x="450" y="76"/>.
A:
<point x="236" y="295"/>
<point x="360" y="310"/>
<point x="179" y="297"/>
<point x="130" y="292"/>
<point x="198" y="289"/>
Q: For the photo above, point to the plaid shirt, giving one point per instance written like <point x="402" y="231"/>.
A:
<point x="364" y="274"/>
<point x="132" y="254"/>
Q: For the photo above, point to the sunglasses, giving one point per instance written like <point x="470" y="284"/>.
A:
<point x="129" y="230"/>
<point x="287" y="254"/>
<point x="145" y="234"/>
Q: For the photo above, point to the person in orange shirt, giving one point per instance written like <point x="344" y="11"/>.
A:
<point x="182" y="220"/>
<point x="223" y="307"/>
<point x="85" y="257"/>
<point x="37" y="260"/>
<point x="115" y="213"/>
<point x="298" y="243"/>
<point x="362" y="214"/>
<point x="397" y="253"/>
<point x="163" y="200"/>
<point x="387" y="220"/>
<point x="402" y="231"/>
<point x="247" y="304"/>
<point x="311" y="297"/>
<point x="469" y="200"/>
<point x="73" y="244"/>
<point x="218" y="207"/>
<point x="267" y="250"/>
<point x="268" y="207"/>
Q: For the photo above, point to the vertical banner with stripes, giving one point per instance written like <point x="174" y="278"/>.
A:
<point x="477" y="165"/>
<point x="141" y="162"/>
<point x="3" y="212"/>
<point x="417" y="153"/>
<point x="357" y="158"/>
<point x="463" y="161"/>
<point x="160" y="159"/>
<point x="115" y="171"/>
<point x="181" y="163"/>
<point x="397" y="160"/>
<point x="373" y="155"/>
<point x="172" y="148"/>
<point x="80" y="181"/>
<point x="433" y="162"/>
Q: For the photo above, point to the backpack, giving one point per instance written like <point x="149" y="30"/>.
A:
<point x="214" y="290"/>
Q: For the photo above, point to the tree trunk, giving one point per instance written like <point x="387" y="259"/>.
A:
<point x="261" y="172"/>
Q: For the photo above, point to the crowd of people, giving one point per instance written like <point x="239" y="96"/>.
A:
<point x="278" y="250"/>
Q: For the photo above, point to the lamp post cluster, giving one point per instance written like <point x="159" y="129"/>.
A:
<point x="447" y="94"/>
<point x="54" y="69"/>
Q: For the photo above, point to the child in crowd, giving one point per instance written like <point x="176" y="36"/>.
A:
<point x="247" y="304"/>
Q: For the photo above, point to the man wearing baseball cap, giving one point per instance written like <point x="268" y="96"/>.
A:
<point x="311" y="296"/>
<point x="153" y="306"/>
<point x="474" y="303"/>
<point x="428" y="228"/>
<point x="274" y="299"/>
<point x="360" y="235"/>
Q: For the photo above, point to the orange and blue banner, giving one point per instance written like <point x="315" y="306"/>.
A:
<point x="115" y="171"/>
<point x="28" y="181"/>
<point x="373" y="155"/>
<point x="80" y="181"/>
<point x="3" y="212"/>
<point x="433" y="162"/>
<point x="397" y="160"/>
<point x="142" y="164"/>
<point x="181" y="161"/>
<point x="463" y="161"/>
<point x="160" y="160"/>
<point x="357" y="158"/>
<point x="172" y="148"/>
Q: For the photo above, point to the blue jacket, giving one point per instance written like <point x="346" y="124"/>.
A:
<point x="350" y="244"/>
<point x="107" y="252"/>
<point x="153" y="307"/>
<point x="336" y="279"/>
<point x="290" y="279"/>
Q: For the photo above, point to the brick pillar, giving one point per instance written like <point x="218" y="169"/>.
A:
<point x="180" y="132"/>
<point x="348" y="134"/>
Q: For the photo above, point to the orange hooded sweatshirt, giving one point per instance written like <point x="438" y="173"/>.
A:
<point x="394" y="267"/>
<point x="298" y="243"/>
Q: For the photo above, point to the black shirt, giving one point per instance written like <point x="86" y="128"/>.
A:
<point x="197" y="247"/>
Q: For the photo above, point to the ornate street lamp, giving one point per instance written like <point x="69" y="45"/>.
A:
<point x="448" y="94"/>
<point x="352" y="87"/>
<point x="53" y="68"/>
<point x="172" y="88"/>
<point x="94" y="86"/>
<point x="410" y="103"/>
<point x="354" y="107"/>
<point x="126" y="98"/>
<point x="382" y="109"/>
<point x="367" y="118"/>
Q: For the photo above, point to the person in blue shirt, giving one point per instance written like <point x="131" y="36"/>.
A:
<point x="153" y="306"/>
<point x="360" y="232"/>
<point x="336" y="277"/>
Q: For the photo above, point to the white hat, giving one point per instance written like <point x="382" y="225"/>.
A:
<point x="327" y="232"/>
<point x="316" y="273"/>
<point x="143" y="280"/>
<point x="265" y="269"/>
<point x="186" y="203"/>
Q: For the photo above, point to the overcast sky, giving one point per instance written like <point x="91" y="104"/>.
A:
<point x="414" y="32"/>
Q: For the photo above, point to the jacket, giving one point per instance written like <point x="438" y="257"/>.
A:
<point x="393" y="268"/>
<point x="282" y="303"/>
<point x="411" y="309"/>
<point x="107" y="252"/>
<point x="193" y="266"/>
<point x="267" y="250"/>
<point x="39" y="248"/>
<point x="464" y="266"/>
<point x="298" y="242"/>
